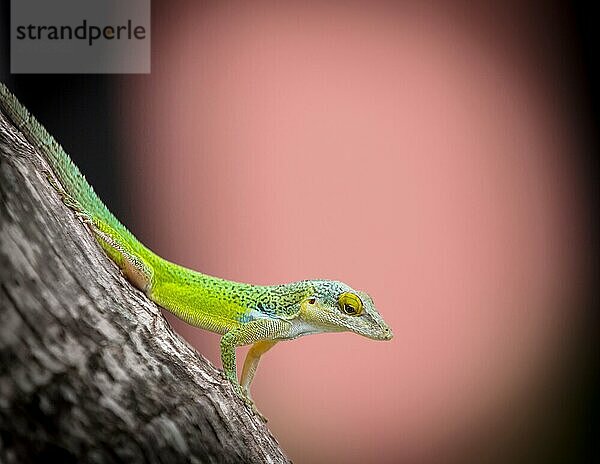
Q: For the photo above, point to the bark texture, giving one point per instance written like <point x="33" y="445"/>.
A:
<point x="90" y="371"/>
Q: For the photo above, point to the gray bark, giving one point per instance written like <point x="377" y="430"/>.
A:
<point x="90" y="371"/>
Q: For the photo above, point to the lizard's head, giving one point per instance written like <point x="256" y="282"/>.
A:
<point x="335" y="307"/>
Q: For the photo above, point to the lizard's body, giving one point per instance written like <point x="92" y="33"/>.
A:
<point x="242" y="313"/>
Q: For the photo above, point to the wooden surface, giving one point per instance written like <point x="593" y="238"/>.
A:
<point x="90" y="371"/>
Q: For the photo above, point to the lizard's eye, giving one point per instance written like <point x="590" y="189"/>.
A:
<point x="350" y="304"/>
<point x="312" y="301"/>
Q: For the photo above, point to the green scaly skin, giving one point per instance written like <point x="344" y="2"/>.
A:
<point x="242" y="313"/>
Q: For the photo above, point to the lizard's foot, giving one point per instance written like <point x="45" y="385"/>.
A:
<point x="259" y="414"/>
<point x="251" y="405"/>
<point x="244" y="395"/>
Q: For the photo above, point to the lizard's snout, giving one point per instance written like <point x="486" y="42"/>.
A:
<point x="387" y="334"/>
<point x="383" y="333"/>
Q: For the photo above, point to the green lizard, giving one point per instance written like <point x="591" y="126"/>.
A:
<point x="242" y="313"/>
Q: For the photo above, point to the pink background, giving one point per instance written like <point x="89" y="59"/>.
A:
<point x="419" y="153"/>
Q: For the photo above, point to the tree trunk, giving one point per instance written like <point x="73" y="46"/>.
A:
<point x="90" y="371"/>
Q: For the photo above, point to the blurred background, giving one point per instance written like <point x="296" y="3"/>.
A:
<point x="440" y="156"/>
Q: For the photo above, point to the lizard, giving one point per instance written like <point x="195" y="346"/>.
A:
<point x="242" y="313"/>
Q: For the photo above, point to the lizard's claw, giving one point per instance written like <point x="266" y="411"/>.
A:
<point x="244" y="395"/>
<point x="250" y="403"/>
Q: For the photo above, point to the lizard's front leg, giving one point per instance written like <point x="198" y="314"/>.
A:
<point x="260" y="330"/>
<point x="251" y="363"/>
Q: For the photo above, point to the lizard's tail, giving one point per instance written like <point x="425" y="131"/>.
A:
<point x="79" y="193"/>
